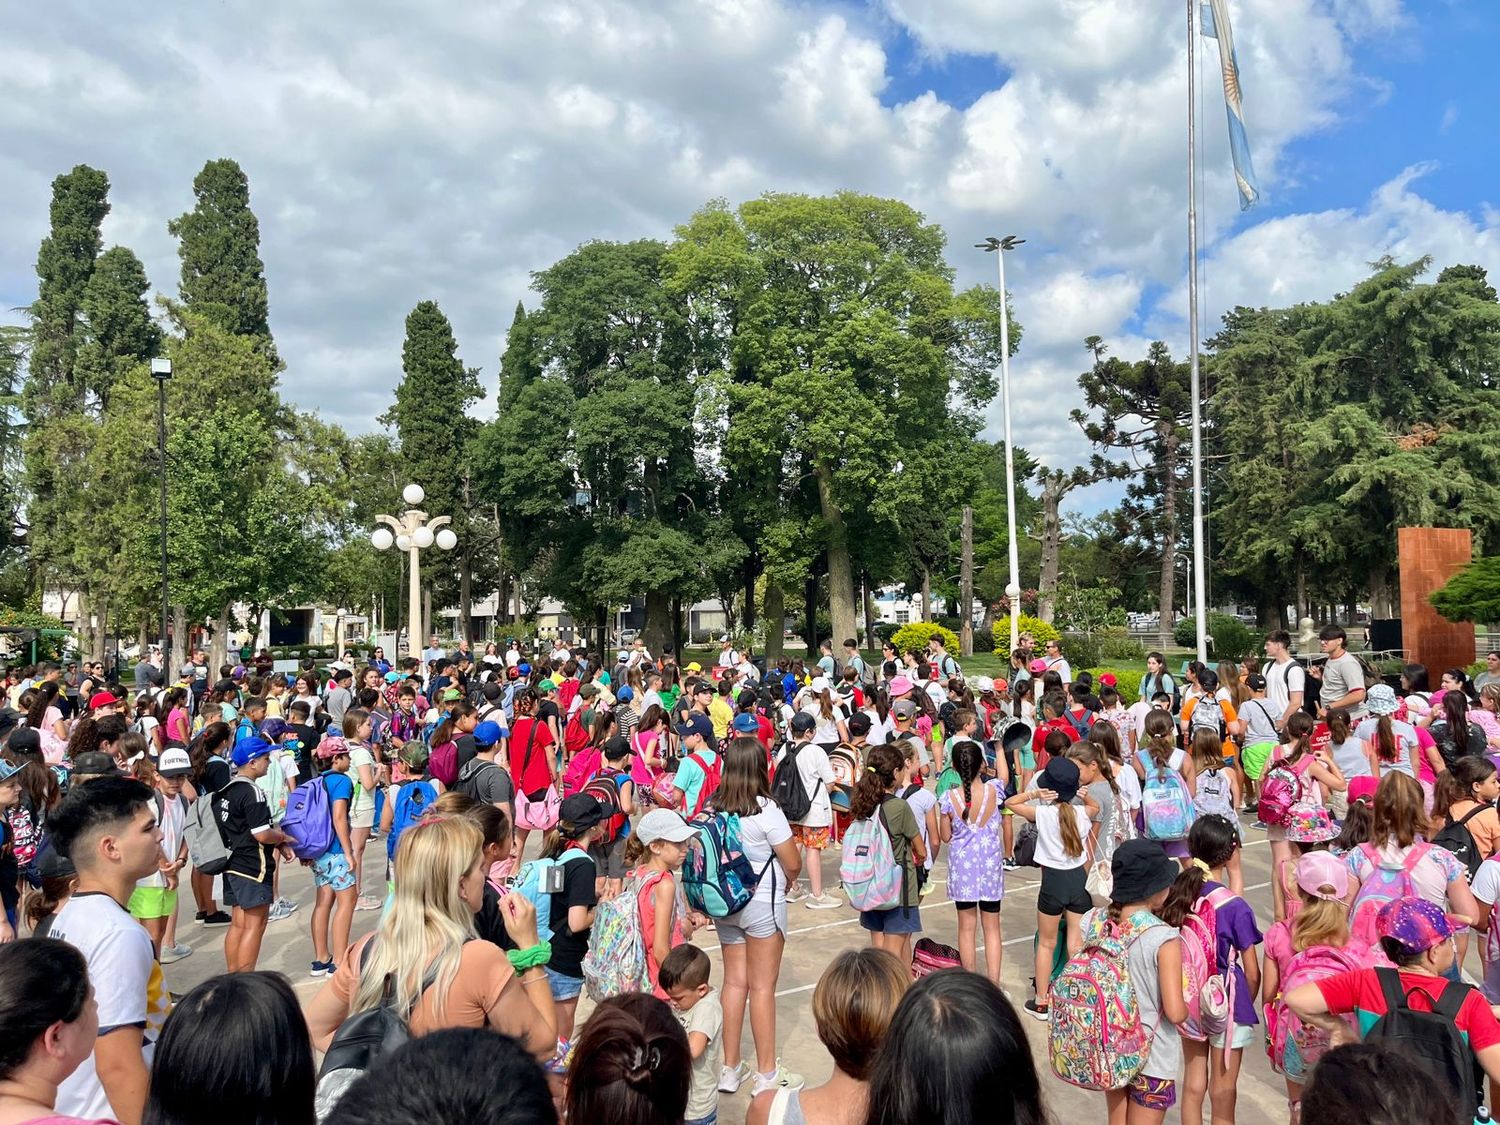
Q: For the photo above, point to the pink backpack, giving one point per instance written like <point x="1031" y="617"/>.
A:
<point x="1382" y="885"/>
<point x="1208" y="992"/>
<point x="1314" y="964"/>
<point x="585" y="764"/>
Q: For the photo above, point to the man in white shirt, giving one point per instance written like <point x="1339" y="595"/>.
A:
<point x="1056" y="662"/>
<point x="639" y="654"/>
<point x="107" y="827"/>
<point x="433" y="651"/>
<point x="728" y="658"/>
<point x="1286" y="681"/>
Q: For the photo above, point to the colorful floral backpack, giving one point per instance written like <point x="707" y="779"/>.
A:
<point x="1096" y="1039"/>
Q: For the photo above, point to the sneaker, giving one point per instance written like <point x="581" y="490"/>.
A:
<point x="321" y="969"/>
<point x="198" y="917"/>
<point x="1259" y="826"/>
<point x="797" y="894"/>
<point x="1010" y="864"/>
<point x="824" y="901"/>
<point x="1039" y="1011"/>
<point x="927" y="889"/>
<point x="217" y="918"/>
<point x="280" y="909"/>
<point x="367" y="902"/>
<point x="730" y="1077"/>
<point x="171" y="953"/>
<point x="780" y="1079"/>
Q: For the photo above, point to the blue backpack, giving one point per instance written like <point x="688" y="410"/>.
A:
<point x="716" y="876"/>
<point x="412" y="802"/>
<point x="1167" y="810"/>
<point x="537" y="884"/>
<point x="309" y="819"/>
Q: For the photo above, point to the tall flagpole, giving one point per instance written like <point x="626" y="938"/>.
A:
<point x="1199" y="578"/>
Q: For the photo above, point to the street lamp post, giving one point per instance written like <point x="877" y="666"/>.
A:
<point x="412" y="532"/>
<point x="161" y="370"/>
<point x="998" y="247"/>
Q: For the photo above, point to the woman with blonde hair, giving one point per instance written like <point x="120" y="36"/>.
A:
<point x="425" y="950"/>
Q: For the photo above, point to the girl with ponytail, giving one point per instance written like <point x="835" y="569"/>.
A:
<point x="631" y="1065"/>
<point x="1297" y="755"/>
<point x="886" y="772"/>
<point x="1211" y="843"/>
<point x="976" y="875"/>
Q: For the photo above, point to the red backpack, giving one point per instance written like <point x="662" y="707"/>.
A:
<point x="711" y="775"/>
<point x="605" y="789"/>
<point x="575" y="735"/>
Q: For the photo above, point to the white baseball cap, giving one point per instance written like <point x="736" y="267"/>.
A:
<point x="664" y="824"/>
<point x="174" y="762"/>
<point x="820" y="683"/>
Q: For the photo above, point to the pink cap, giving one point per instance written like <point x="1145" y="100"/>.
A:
<point x="1363" y="787"/>
<point x="1319" y="870"/>
<point x="900" y="685"/>
<point x="1038" y="666"/>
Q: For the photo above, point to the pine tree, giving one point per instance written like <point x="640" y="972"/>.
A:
<point x="120" y="332"/>
<point x="223" y="278"/>
<point x="64" y="264"/>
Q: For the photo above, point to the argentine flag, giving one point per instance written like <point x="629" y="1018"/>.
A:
<point x="1215" y="25"/>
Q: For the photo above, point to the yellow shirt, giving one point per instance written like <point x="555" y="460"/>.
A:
<point x="721" y="714"/>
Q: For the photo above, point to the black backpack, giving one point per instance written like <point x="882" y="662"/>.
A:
<point x="1460" y="841"/>
<point x="790" y="795"/>
<point x="1431" y="1039"/>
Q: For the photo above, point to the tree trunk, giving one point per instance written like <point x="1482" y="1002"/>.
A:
<point x="966" y="587"/>
<point x="1054" y="488"/>
<point x="840" y="572"/>
<point x="872" y="642"/>
<point x="1382" y="593"/>
<point x="1168" y="534"/>
<point x="465" y="593"/>
<point x="520" y="610"/>
<point x="748" y="575"/>
<point x="1301" y="608"/>
<point x="677" y="627"/>
<point x="657" y="628"/>
<point x="926" y="594"/>
<point x="179" y="641"/>
<point x="218" y="647"/>
<point x="101" y="631"/>
<point x="810" y="620"/>
<point x="775" y="623"/>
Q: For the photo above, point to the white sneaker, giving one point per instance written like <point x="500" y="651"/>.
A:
<point x="279" y="910"/>
<point x="173" y="953"/>
<point x="824" y="901"/>
<point x="782" y="1079"/>
<point x="797" y="894"/>
<point x="730" y="1077"/>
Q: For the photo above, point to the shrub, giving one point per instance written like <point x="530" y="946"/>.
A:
<point x="1232" y="638"/>
<point x="1040" y="630"/>
<point x="885" y="630"/>
<point x="1127" y="681"/>
<point x="984" y="639"/>
<point x="1081" y="650"/>
<point x="1117" y="644"/>
<point x="913" y="637"/>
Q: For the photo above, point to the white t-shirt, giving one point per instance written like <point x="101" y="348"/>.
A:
<point x="1049" y="843"/>
<point x="1136" y="714"/>
<point x="1061" y="666"/>
<point x="881" y="732"/>
<point x="1130" y="787"/>
<point x="127" y="983"/>
<point x="759" y="835"/>
<point x="1281" y="681"/>
<point x="1486" y="888"/>
<point x="827" y="730"/>
<point x="922" y="801"/>
<point x="813" y="767"/>
<point x="172" y="819"/>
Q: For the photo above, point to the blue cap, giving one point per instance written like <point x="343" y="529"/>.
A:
<point x="523" y="668"/>
<point x="625" y="694"/>
<point x="8" y="770"/>
<point x="393" y="677"/>
<point x="488" y="733"/>
<point x="249" y="749"/>
<point x="696" y="724"/>
<point x="746" y="724"/>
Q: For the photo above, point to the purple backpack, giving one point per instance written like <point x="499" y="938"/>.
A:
<point x="309" y="820"/>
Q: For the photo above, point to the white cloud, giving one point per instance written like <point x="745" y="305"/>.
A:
<point x="399" y="153"/>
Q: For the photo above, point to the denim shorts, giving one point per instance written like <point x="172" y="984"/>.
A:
<point x="897" y="920"/>
<point x="711" y="1119"/>
<point x="563" y="986"/>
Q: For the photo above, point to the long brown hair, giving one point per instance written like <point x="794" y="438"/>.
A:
<point x="1160" y="733"/>
<point x="882" y="764"/>
<point x="1399" y="813"/>
<point x="1299" y="730"/>
<point x="745" y="779"/>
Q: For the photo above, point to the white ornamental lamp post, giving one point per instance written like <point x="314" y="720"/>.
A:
<point x="413" y="532"/>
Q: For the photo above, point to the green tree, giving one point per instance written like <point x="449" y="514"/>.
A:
<point x="120" y="332"/>
<point x="64" y="264"/>
<point x="1473" y="594"/>
<point x="223" y="278"/>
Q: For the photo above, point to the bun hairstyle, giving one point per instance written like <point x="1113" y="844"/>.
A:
<point x="631" y="1065"/>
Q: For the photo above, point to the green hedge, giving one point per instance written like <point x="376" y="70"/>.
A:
<point x="914" y="637"/>
<point x="1232" y="638"/>
<point x="1128" y="682"/>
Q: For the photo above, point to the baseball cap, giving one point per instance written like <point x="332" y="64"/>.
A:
<point x="622" y="656"/>
<point x="1414" y="924"/>
<point x="1002" y="685"/>
<point x="580" y="812"/>
<point x="523" y="668"/>
<point x="413" y="755"/>
<point x="724" y="639"/>
<point x="900" y="685"/>
<point x="588" y="691"/>
<point x="1038" y="666"/>
<point x="625" y="694"/>
<point x="274" y="727"/>
<point x="696" y="724"/>
<point x="745" y="724"/>
<point x="488" y="733"/>
<point x="802" y="722"/>
<point x="984" y="683"/>
<point x="546" y="685"/>
<point x="95" y="763"/>
<point x="693" y="666"/>
<point x="1108" y="679"/>
<point x="25" y="741"/>
<point x="1317" y="870"/>
<point x="102" y="699"/>
<point x="663" y="824"/>
<point x="904" y="709"/>
<point x="393" y="677"/>
<point x="819" y="683"/>
<point x="249" y="749"/>
<point x="703" y="687"/>
<point x="451" y="695"/>
<point x="174" y="762"/>
<point x="7" y="771"/>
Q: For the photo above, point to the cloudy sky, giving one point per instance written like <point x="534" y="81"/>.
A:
<point x="398" y="152"/>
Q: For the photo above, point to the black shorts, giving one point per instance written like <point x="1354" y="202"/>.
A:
<point x="984" y="907"/>
<point x="246" y="893"/>
<point x="1064" y="891"/>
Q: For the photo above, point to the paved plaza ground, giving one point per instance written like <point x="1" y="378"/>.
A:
<point x="815" y="937"/>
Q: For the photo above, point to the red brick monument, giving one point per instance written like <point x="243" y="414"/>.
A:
<point x="1428" y="557"/>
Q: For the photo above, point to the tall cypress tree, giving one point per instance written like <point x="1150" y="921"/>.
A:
<point x="223" y="278"/>
<point x="429" y="412"/>
<point x="120" y="331"/>
<point x="64" y="264"/>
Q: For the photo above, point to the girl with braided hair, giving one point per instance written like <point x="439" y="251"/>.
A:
<point x="976" y="874"/>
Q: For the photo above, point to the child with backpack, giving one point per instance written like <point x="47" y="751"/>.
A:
<point x="1291" y="797"/>
<point x="1063" y="844"/>
<point x="1221" y="973"/>
<point x="882" y="851"/>
<point x="657" y="850"/>
<point x="561" y="885"/>
<point x="1443" y="1025"/>
<point x="1216" y="790"/>
<point x="333" y="879"/>
<point x="612" y="787"/>
<point x="923" y="803"/>
<point x="976" y="877"/>
<point x="1130" y="962"/>
<point x="1309" y="948"/>
<point x="407" y="801"/>
<point x="804" y="774"/>
<point x="1167" y="774"/>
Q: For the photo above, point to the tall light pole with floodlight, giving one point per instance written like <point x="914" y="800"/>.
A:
<point x="412" y="532"/>
<point x="161" y="371"/>
<point x="998" y="246"/>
